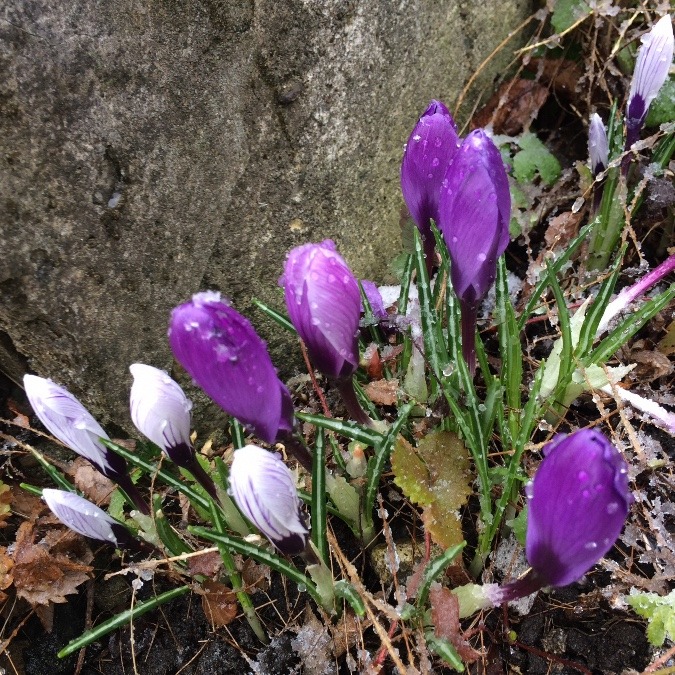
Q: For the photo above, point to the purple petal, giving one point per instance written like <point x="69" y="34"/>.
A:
<point x="578" y="503"/>
<point x="651" y="70"/>
<point x="598" y="147"/>
<point x="432" y="144"/>
<point x="263" y="488"/>
<point x="225" y="356"/>
<point x="69" y="421"/>
<point x="83" y="517"/>
<point x="474" y="215"/>
<point x="374" y="299"/>
<point x="324" y="304"/>
<point x="159" y="408"/>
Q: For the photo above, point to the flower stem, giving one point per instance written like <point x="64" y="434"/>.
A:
<point x="296" y="448"/>
<point x="356" y="412"/>
<point x="469" y="318"/>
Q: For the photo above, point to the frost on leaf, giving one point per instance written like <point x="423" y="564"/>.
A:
<point x="48" y="571"/>
<point x="436" y="476"/>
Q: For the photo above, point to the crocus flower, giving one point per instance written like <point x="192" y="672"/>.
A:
<point x="474" y="215"/>
<point x="69" y="421"/>
<point x="160" y="410"/>
<point x="432" y="144"/>
<point x="87" y="519"/>
<point x="263" y="488"/>
<point x="651" y="70"/>
<point x="374" y="298"/>
<point x="224" y="355"/>
<point x="598" y="147"/>
<point x="324" y="304"/>
<point x="578" y="503"/>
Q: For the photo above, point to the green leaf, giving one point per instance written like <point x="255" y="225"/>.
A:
<point x="662" y="109"/>
<point x="534" y="158"/>
<point x="567" y="13"/>
<point x="659" y="612"/>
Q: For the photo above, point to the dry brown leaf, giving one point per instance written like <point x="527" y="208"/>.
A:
<point x="562" y="229"/>
<point x="42" y="575"/>
<point x="93" y="484"/>
<point x="208" y="564"/>
<point x="25" y="503"/>
<point x="651" y="364"/>
<point x="219" y="603"/>
<point x="382" y="392"/>
<point x="371" y="361"/>
<point x="512" y="108"/>
<point x="562" y="75"/>
<point x="6" y="564"/>
<point x="5" y="503"/>
<point x="445" y="617"/>
<point x="255" y="576"/>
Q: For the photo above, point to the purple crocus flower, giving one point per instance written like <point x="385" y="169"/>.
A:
<point x="474" y="215"/>
<point x="374" y="297"/>
<point x="69" y="421"/>
<point x="432" y="144"/>
<point x="87" y="519"/>
<point x="161" y="412"/>
<point x="651" y="70"/>
<point x="324" y="304"/>
<point x="578" y="503"/>
<point x="224" y="355"/>
<point x="264" y="489"/>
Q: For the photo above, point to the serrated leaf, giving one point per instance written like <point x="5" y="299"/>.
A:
<point x="534" y="158"/>
<point x="567" y="13"/>
<point x="435" y="475"/>
<point x="659" y="612"/>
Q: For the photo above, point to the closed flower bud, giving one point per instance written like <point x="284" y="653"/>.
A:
<point x="598" y="147"/>
<point x="87" y="519"/>
<point x="432" y="144"/>
<point x="224" y="355"/>
<point x="324" y="304"/>
<point x="474" y="216"/>
<point x="263" y="488"/>
<point x="374" y="298"/>
<point x="161" y="412"/>
<point x="651" y="70"/>
<point x="578" y="504"/>
<point x="69" y="421"/>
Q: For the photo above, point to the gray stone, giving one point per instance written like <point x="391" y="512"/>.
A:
<point x="153" y="149"/>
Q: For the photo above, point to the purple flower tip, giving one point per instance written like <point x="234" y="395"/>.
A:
<point x="324" y="304"/>
<point x="598" y="146"/>
<point x="263" y="488"/>
<point x="578" y="503"/>
<point x="69" y="421"/>
<point x="432" y="144"/>
<point x="85" y="518"/>
<point x="161" y="411"/>
<point x="224" y="355"/>
<point x="374" y="299"/>
<point x="651" y="70"/>
<point x="474" y="215"/>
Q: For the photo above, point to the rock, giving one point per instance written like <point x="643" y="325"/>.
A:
<point x="150" y="150"/>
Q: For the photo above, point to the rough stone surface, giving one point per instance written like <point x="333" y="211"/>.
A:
<point x="153" y="149"/>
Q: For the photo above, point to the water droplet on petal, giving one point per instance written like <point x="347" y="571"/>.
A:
<point x="582" y="476"/>
<point x="612" y="507"/>
<point x="591" y="545"/>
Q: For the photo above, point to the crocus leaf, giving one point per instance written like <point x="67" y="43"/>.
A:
<point x="435" y="475"/>
<point x="534" y="158"/>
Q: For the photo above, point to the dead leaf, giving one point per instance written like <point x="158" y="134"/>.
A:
<point x="6" y="578"/>
<point x="42" y="576"/>
<point x="25" y="503"/>
<point x="445" y="617"/>
<point x="562" y="229"/>
<point x="667" y="345"/>
<point x="512" y="108"/>
<point x="562" y="75"/>
<point x="651" y="364"/>
<point x="371" y="361"/>
<point x="208" y="564"/>
<point x="382" y="392"/>
<point x="93" y="484"/>
<point x="5" y="501"/>
<point x="255" y="576"/>
<point x="219" y="603"/>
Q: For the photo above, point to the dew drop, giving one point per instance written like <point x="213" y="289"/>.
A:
<point x="582" y="476"/>
<point x="481" y="257"/>
<point x="435" y="161"/>
<point x="612" y="507"/>
<point x="591" y="545"/>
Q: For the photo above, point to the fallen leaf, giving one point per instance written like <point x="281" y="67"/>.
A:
<point x="667" y="345"/>
<point x="371" y="361"/>
<point x="208" y="564"/>
<point x="255" y="576"/>
<point x="219" y="603"/>
<point x="5" y="502"/>
<point x="562" y="75"/>
<point x="93" y="484"/>
<point x="512" y="108"/>
<point x="651" y="364"/>
<point x="445" y="617"/>
<point x="25" y="503"/>
<point x="562" y="229"/>
<point x="382" y="392"/>
<point x="41" y="575"/>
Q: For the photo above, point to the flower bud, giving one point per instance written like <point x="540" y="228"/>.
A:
<point x="87" y="519"/>
<point x="69" y="421"/>
<point x="578" y="503"/>
<point x="263" y="488"/>
<point x="598" y="147"/>
<point x="324" y="304"/>
<point x="432" y="144"/>
<point x="474" y="216"/>
<point x="651" y="70"/>
<point x="224" y="355"/>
